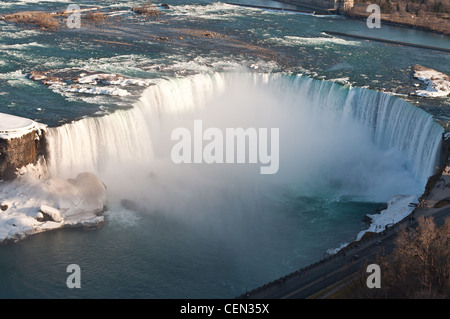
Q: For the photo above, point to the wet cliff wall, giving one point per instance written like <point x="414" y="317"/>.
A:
<point x="20" y="151"/>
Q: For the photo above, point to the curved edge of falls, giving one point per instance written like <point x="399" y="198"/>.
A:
<point x="88" y="144"/>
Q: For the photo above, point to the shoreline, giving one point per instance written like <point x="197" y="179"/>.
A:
<point x="385" y="20"/>
<point x="387" y="41"/>
<point x="362" y="15"/>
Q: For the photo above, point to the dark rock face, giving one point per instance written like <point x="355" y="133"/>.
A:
<point x="18" y="152"/>
<point x="446" y="145"/>
<point x="50" y="214"/>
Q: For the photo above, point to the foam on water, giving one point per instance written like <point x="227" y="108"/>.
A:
<point x="313" y="41"/>
<point x="215" y="11"/>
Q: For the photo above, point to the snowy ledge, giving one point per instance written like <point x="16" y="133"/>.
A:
<point x="14" y="127"/>
<point x="35" y="202"/>
<point x="431" y="83"/>
<point x="398" y="208"/>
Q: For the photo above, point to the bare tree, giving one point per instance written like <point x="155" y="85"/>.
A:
<point x="419" y="266"/>
<point x="424" y="256"/>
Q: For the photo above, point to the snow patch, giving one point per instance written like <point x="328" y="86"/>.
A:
<point x="112" y="79"/>
<point x="15" y="127"/>
<point x="437" y="84"/>
<point x="333" y="251"/>
<point x="36" y="202"/>
<point x="51" y="212"/>
<point x="398" y="208"/>
<point x="85" y="82"/>
<point x="90" y="90"/>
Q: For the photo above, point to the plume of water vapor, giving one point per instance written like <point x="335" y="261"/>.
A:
<point x="334" y="142"/>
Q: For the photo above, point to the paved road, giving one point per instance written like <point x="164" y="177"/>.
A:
<point x="317" y="277"/>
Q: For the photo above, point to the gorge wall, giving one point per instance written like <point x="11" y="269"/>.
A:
<point x="20" y="151"/>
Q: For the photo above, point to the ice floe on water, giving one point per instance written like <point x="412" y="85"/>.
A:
<point x="434" y="83"/>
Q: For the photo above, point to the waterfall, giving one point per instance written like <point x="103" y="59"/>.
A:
<point x="89" y="144"/>
<point x="130" y="136"/>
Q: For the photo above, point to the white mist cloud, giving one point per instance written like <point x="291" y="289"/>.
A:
<point x="322" y="151"/>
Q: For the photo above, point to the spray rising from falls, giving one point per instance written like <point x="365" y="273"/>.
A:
<point x="352" y="141"/>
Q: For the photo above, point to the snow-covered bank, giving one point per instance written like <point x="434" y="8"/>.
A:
<point x="14" y="127"/>
<point x="398" y="208"/>
<point x="434" y="83"/>
<point x="36" y="202"/>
